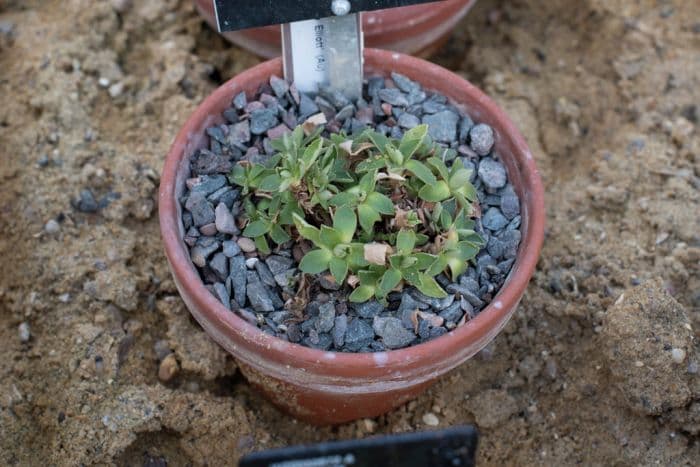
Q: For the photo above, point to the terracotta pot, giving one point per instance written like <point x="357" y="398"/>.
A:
<point x="416" y="30"/>
<point x="329" y="387"/>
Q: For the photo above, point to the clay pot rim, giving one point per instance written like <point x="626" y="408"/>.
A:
<point x="342" y="363"/>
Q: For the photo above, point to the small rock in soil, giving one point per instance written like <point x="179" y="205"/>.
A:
<point x="340" y="326"/>
<point x="510" y="204"/>
<point x="465" y="125"/>
<point x="492" y="173"/>
<point x="86" y="202"/>
<point x="168" y="368"/>
<point x="279" y="264"/>
<point x="452" y="313"/>
<point x="404" y="83"/>
<point x="265" y="274"/>
<point x="201" y="210"/>
<point x="24" y="332"/>
<point x="326" y="281"/>
<point x="431" y="419"/>
<point x="442" y="126"/>
<point x="225" y="223"/>
<point x="394" y="335"/>
<point x="239" y="134"/>
<point x="481" y="139"/>
<point x="222" y="294"/>
<point x="510" y="240"/>
<point x="231" y="248"/>
<point x="369" y="309"/>
<point x="393" y="96"/>
<point x="279" y="86"/>
<point x="219" y="264"/>
<point x="201" y="252"/>
<point x="408" y="121"/>
<point x="208" y="184"/>
<point x="262" y="120"/>
<point x="494" y="220"/>
<point x="240" y="101"/>
<point x="246" y="244"/>
<point x="52" y="227"/>
<point x="358" y="335"/>
<point x="259" y="297"/>
<point x="238" y="279"/>
<point x="326" y="317"/>
<point x="208" y="163"/>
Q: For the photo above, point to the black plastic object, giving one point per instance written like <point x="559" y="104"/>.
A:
<point x="242" y="14"/>
<point x="453" y="447"/>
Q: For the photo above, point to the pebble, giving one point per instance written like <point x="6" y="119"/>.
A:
<point x="219" y="264"/>
<point x="286" y="278"/>
<point x="368" y="309"/>
<point x="237" y="274"/>
<point x="431" y="419"/>
<point x="251" y="262"/>
<point x="208" y="184"/>
<point x="677" y="355"/>
<point x="393" y="333"/>
<point x="259" y="297"/>
<point x="510" y="204"/>
<point x="265" y="275"/>
<point x="240" y="101"/>
<point x="239" y="134"/>
<point x="442" y="126"/>
<point x="453" y="313"/>
<point x="24" y="332"/>
<point x="246" y="244"/>
<point x="262" y="120"/>
<point x="358" y="335"/>
<point x="279" y="264"/>
<point x="201" y="210"/>
<point x="161" y="349"/>
<point x="201" y="252"/>
<point x="326" y="317"/>
<point x="222" y="294"/>
<point x="404" y="83"/>
<point x="52" y="227"/>
<point x="494" y="220"/>
<point x="408" y="121"/>
<point x="481" y="139"/>
<point x="465" y="125"/>
<point x="307" y="107"/>
<point x="393" y="96"/>
<point x="340" y="327"/>
<point x="208" y="230"/>
<point x="168" y="368"/>
<point x="492" y="173"/>
<point x="86" y="202"/>
<point x="510" y="240"/>
<point x="279" y="86"/>
<point x="231" y="248"/>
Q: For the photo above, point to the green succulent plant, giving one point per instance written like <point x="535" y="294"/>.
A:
<point x="379" y="212"/>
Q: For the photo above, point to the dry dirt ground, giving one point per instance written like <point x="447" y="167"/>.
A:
<point x="607" y="94"/>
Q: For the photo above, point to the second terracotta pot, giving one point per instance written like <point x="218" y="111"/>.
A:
<point x="416" y="30"/>
<point x="331" y="387"/>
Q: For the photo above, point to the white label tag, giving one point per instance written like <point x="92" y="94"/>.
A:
<point x="308" y="54"/>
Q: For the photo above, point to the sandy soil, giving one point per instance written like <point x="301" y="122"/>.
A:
<point x="607" y="94"/>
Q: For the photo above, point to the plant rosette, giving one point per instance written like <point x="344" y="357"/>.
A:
<point x="315" y="238"/>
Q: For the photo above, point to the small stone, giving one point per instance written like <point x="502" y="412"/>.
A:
<point x="201" y="210"/>
<point x="510" y="203"/>
<point x="239" y="134"/>
<point x="200" y="252"/>
<point x="231" y="248"/>
<point x="465" y="125"/>
<point x="52" y="227"/>
<point x="510" y="240"/>
<point x="278" y="131"/>
<point x="307" y="107"/>
<point x="345" y="113"/>
<point x="208" y="163"/>
<point x="251" y="262"/>
<point x="168" y="368"/>
<point x="208" y="230"/>
<point x="86" y="202"/>
<point x="437" y="332"/>
<point x="326" y="317"/>
<point x="24" y="332"/>
<point x="265" y="274"/>
<point x="393" y="96"/>
<point x="494" y="220"/>
<point x="279" y="86"/>
<point x="677" y="355"/>
<point x="294" y="332"/>
<point x="431" y="419"/>
<point x="219" y="264"/>
<point x="259" y="297"/>
<point x="358" y="335"/>
<point x="222" y="294"/>
<point x="408" y="121"/>
<point x="492" y="173"/>
<point x="286" y="278"/>
<point x="442" y="126"/>
<point x="368" y="309"/>
<point x="453" y="313"/>
<point x="404" y="83"/>
<point x="394" y="335"/>
<point x="240" y="101"/>
<point x="481" y="139"/>
<point x="246" y="244"/>
<point x="208" y="184"/>
<point x="326" y="281"/>
<point x="116" y="90"/>
<point x="262" y="120"/>
<point x="340" y="327"/>
<point x="161" y="349"/>
<point x="279" y="264"/>
<point x="237" y="273"/>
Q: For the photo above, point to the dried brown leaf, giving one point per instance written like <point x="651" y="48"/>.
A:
<point x="376" y="253"/>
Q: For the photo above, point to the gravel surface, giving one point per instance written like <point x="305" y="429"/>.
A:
<point x="270" y="290"/>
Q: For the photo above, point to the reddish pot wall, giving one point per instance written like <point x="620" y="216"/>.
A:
<point x="329" y="387"/>
<point x="415" y="30"/>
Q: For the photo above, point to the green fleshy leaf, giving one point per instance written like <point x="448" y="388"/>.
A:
<point x="438" y="265"/>
<point x="378" y="139"/>
<point x="421" y="171"/>
<point x="445" y="219"/>
<point x="356" y="256"/>
<point x="468" y="191"/>
<point x="270" y="183"/>
<point x="368" y="181"/>
<point x="279" y="235"/>
<point x="440" y="167"/>
<point x="367" y="216"/>
<point x="425" y="260"/>
<point x="457" y="267"/>
<point x="344" y="198"/>
<point x="435" y="193"/>
<point x="430" y="287"/>
<point x="307" y="230"/>
<point x="339" y="269"/>
<point x="256" y="229"/>
<point x="345" y="222"/>
<point x="468" y="250"/>
<point x="329" y="237"/>
<point x="362" y="294"/>
<point x="412" y="140"/>
<point x="261" y="245"/>
<point x="405" y="241"/>
<point x="389" y="280"/>
<point x="380" y="203"/>
<point x="394" y="154"/>
<point x="315" y="261"/>
<point x="311" y="153"/>
<point x="238" y="175"/>
<point x="459" y="177"/>
<point x="374" y="163"/>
